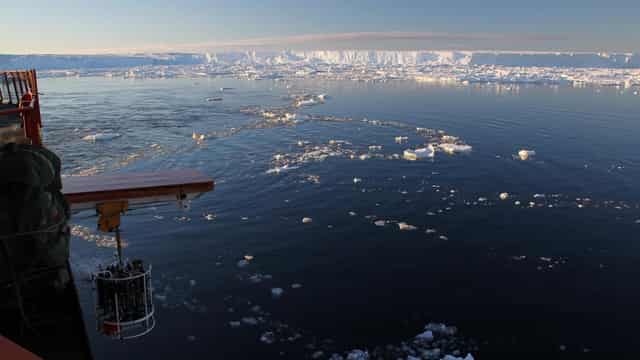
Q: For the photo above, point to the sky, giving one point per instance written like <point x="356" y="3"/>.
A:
<point x="116" y="26"/>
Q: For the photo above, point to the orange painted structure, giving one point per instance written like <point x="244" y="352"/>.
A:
<point x="19" y="98"/>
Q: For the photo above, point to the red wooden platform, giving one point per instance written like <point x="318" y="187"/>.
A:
<point x="10" y="351"/>
<point x="87" y="191"/>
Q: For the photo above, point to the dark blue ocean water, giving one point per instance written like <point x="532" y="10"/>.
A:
<point x="514" y="278"/>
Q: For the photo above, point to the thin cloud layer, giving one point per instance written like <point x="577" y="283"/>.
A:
<point x="369" y="40"/>
<point x="380" y="36"/>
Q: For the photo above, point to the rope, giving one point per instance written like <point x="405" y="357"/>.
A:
<point x="51" y="229"/>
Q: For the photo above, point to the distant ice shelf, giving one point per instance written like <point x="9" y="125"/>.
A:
<point x="465" y="67"/>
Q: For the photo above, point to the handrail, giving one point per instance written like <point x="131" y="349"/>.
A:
<point x="17" y="110"/>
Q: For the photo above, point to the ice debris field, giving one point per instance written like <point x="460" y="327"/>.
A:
<point x="301" y="160"/>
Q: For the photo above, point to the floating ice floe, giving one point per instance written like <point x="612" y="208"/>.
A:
<point x="242" y="263"/>
<point x="279" y="169"/>
<point x="440" y="328"/>
<point x="380" y="223"/>
<point x="101" y="136"/>
<point x="428" y="345"/>
<point x="406" y="227"/>
<point x="210" y="217"/>
<point x="451" y="357"/>
<point x="352" y="213"/>
<point x="313" y="179"/>
<point x="249" y="321"/>
<point x="296" y="286"/>
<point x="307" y="220"/>
<point x="401" y="139"/>
<point x="305" y="102"/>
<point x="358" y="355"/>
<point x="431" y="231"/>
<point x="420" y="153"/>
<point x="90" y="236"/>
<point x="526" y="154"/>
<point x="268" y="337"/>
<point x="277" y="292"/>
<point x="257" y="278"/>
<point x="455" y="148"/>
<point x="503" y="196"/>
<point x="427" y="335"/>
<point x="357" y="180"/>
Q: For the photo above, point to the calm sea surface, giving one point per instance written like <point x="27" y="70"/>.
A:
<point x="558" y="274"/>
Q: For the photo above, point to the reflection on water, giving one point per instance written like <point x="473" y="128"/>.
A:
<point x="522" y="256"/>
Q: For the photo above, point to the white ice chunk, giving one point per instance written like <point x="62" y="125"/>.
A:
<point x="504" y="196"/>
<point x="427" y="335"/>
<point x="420" y="153"/>
<point x="380" y="223"/>
<point x="242" y="263"/>
<point x="455" y="148"/>
<point x="451" y="357"/>
<point x="277" y="292"/>
<point x="268" y="337"/>
<point x="526" y="154"/>
<point x="101" y="136"/>
<point x="358" y="355"/>
<point x="403" y="226"/>
<point x="307" y="220"/>
<point x="250" y="321"/>
<point x="440" y="328"/>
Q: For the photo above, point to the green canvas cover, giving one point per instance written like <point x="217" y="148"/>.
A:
<point x="33" y="211"/>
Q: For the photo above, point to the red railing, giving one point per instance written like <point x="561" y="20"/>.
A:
<point x="19" y="97"/>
